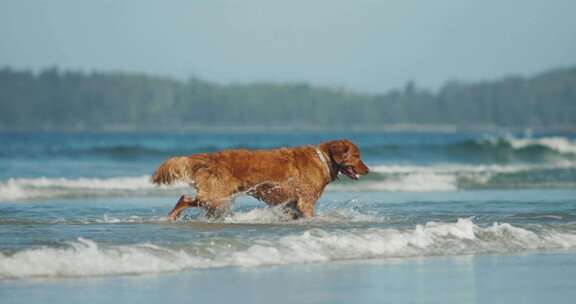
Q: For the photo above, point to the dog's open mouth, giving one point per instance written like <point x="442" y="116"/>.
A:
<point x="350" y="172"/>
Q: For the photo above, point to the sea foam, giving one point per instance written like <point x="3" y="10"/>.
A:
<point x="450" y="177"/>
<point x="559" y="144"/>
<point x="42" y="187"/>
<point x="398" y="178"/>
<point x="416" y="181"/>
<point x="87" y="258"/>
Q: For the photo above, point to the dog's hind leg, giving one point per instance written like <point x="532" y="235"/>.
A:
<point x="184" y="202"/>
<point x="217" y="209"/>
<point x="216" y="197"/>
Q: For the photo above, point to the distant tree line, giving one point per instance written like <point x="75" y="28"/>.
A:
<point x="69" y="100"/>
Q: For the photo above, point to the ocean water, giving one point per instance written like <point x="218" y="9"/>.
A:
<point x="78" y="206"/>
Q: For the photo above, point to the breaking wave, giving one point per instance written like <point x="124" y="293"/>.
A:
<point x="449" y="177"/>
<point x="487" y="149"/>
<point x="87" y="258"/>
<point x="557" y="144"/>
<point x="35" y="188"/>
<point x="510" y="149"/>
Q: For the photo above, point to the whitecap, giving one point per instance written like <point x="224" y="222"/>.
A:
<point x="413" y="182"/>
<point x="87" y="258"/>
<point x="42" y="187"/>
<point x="559" y="144"/>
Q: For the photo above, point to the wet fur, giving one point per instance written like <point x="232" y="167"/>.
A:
<point x="295" y="176"/>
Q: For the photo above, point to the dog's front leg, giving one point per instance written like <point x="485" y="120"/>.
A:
<point x="184" y="202"/>
<point x="306" y="206"/>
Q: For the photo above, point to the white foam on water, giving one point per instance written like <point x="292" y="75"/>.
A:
<point x="456" y="168"/>
<point x="347" y="215"/>
<point x="442" y="177"/>
<point x="263" y="215"/>
<point x="277" y="215"/>
<point x="259" y="215"/>
<point x="86" y="258"/>
<point x="414" y="182"/>
<point x="31" y="188"/>
<point x="559" y="144"/>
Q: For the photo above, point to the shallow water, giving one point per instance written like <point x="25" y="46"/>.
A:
<point x="523" y="278"/>
<point x="80" y="205"/>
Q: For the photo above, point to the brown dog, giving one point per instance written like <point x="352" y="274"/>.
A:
<point x="293" y="176"/>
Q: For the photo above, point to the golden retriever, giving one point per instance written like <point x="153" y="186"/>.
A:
<point x="292" y="176"/>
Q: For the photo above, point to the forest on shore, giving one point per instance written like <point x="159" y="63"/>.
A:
<point x="54" y="99"/>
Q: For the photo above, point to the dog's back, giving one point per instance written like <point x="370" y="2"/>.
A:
<point x="179" y="168"/>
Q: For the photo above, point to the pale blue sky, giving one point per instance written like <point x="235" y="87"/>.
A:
<point x="364" y="45"/>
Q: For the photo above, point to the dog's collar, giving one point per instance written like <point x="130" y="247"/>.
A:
<point x="323" y="160"/>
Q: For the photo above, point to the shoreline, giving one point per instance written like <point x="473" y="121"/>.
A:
<point x="471" y="279"/>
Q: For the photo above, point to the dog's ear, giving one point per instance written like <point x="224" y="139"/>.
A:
<point x="338" y="150"/>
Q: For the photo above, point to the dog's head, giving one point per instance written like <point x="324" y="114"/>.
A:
<point x="345" y="157"/>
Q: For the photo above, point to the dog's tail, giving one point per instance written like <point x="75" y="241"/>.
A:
<point x="180" y="168"/>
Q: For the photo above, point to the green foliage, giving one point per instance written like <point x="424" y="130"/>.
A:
<point x="64" y="100"/>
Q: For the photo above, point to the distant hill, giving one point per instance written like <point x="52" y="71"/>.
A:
<point x="69" y="100"/>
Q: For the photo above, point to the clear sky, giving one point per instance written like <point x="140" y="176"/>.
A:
<point x="364" y="45"/>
